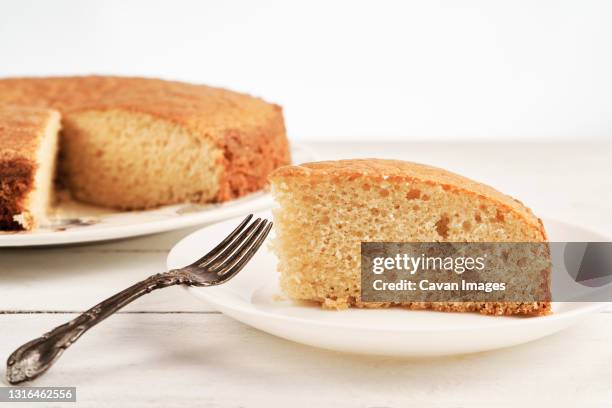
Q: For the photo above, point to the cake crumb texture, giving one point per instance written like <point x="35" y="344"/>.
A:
<point x="327" y="209"/>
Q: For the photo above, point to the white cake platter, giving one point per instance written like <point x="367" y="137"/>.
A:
<point x="253" y="297"/>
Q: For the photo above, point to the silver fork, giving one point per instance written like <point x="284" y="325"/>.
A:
<point x="216" y="267"/>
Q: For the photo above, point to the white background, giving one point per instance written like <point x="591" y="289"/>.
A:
<point x="411" y="70"/>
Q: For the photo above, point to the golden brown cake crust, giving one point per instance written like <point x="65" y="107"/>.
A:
<point x="16" y="180"/>
<point x="245" y="171"/>
<point x="244" y="127"/>
<point x="396" y="170"/>
<point x="20" y="131"/>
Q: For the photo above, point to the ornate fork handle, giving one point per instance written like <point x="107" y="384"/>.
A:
<point x="217" y="266"/>
<point x="37" y="356"/>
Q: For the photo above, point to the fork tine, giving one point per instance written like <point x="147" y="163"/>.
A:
<point x="239" y="262"/>
<point x="224" y="243"/>
<point x="239" y="249"/>
<point x="229" y="249"/>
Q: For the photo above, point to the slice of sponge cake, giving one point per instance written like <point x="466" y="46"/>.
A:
<point x="28" y="147"/>
<point x="327" y="209"/>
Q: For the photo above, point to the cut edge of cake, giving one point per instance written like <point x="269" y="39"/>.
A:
<point x="28" y="157"/>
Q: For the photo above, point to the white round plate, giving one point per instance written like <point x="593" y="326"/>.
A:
<point x="254" y="298"/>
<point x="78" y="223"/>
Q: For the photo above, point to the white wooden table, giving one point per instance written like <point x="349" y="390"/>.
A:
<point x="169" y="350"/>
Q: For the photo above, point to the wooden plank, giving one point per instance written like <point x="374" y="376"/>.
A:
<point x="74" y="280"/>
<point x="165" y="360"/>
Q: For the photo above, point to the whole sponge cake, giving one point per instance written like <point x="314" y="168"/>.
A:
<point x="327" y="209"/>
<point x="133" y="143"/>
<point x="28" y="147"/>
